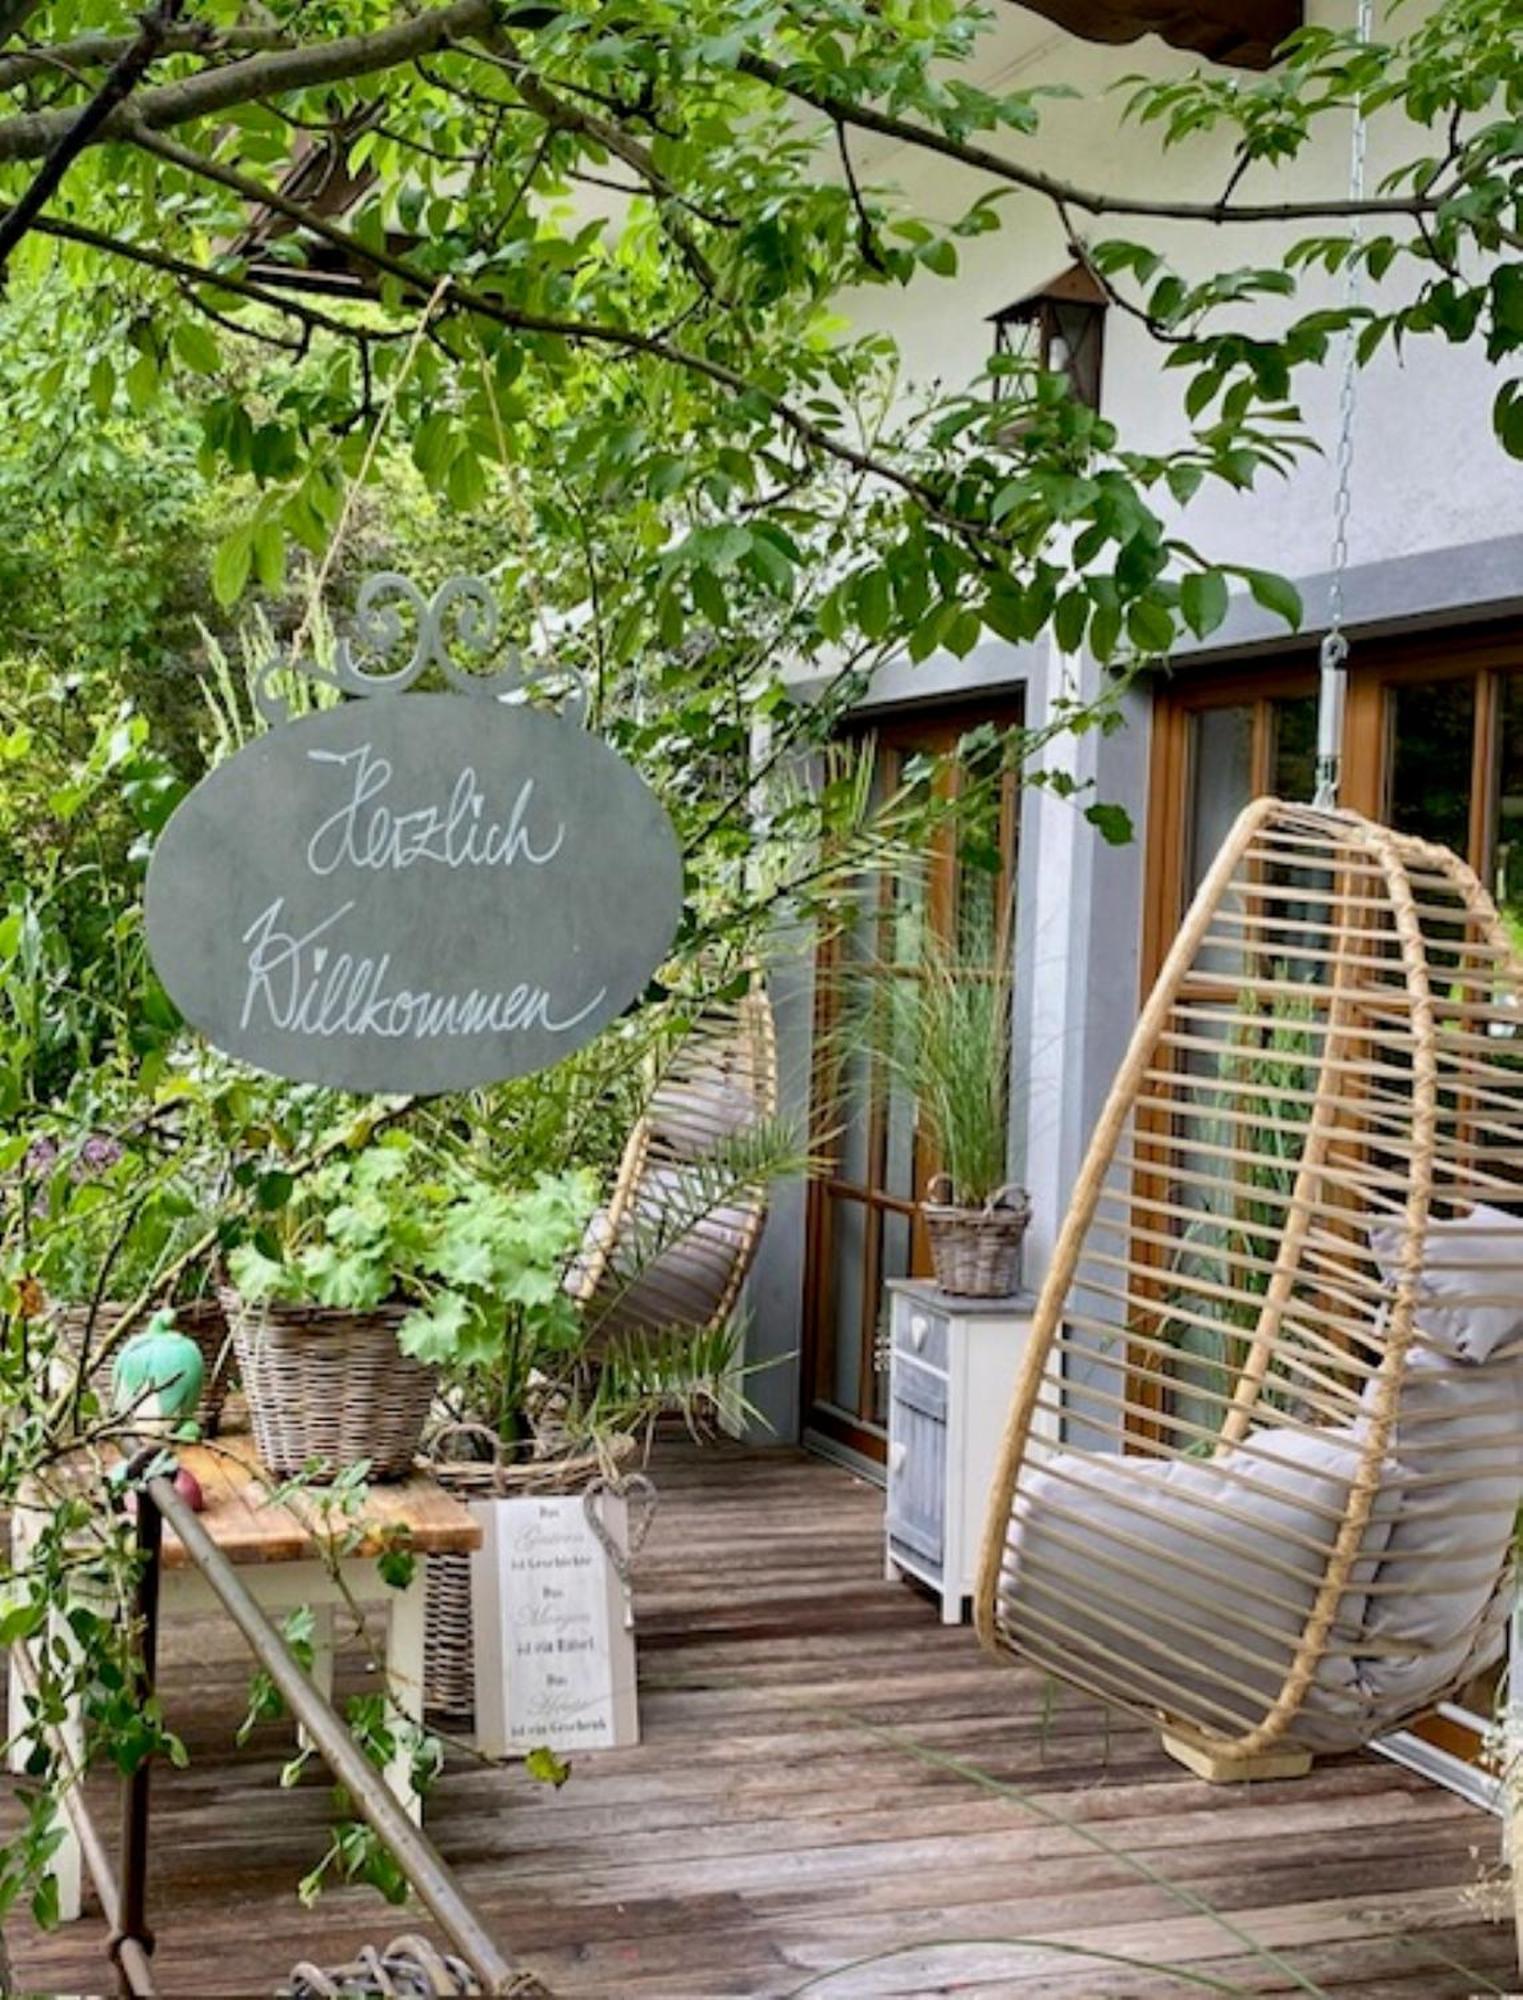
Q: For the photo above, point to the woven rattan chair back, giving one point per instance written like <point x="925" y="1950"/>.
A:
<point x="663" y="1255"/>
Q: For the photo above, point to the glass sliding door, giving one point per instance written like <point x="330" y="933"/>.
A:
<point x="864" y="1227"/>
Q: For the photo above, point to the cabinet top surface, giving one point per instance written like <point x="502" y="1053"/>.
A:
<point x="922" y="1291"/>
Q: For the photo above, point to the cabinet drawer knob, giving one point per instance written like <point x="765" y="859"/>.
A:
<point x="920" y="1326"/>
<point x="898" y="1452"/>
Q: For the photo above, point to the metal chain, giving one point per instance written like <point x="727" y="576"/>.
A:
<point x="1334" y="657"/>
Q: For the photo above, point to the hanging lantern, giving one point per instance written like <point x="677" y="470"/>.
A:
<point x="1059" y="328"/>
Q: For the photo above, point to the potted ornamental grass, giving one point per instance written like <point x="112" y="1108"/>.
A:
<point x="383" y="1270"/>
<point x="940" y="1025"/>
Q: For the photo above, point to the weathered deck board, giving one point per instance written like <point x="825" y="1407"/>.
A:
<point x="794" y="1811"/>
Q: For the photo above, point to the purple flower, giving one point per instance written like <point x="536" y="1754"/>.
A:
<point x="41" y="1156"/>
<point x="97" y="1153"/>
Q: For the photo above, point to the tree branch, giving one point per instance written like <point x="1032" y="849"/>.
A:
<point x="121" y="80"/>
<point x="630" y="340"/>
<point x="555" y="110"/>
<point x="262" y="76"/>
<point x="196" y="275"/>
<point x="217" y="90"/>
<point x="867" y="236"/>
<point x="100" y="51"/>
<point x="845" y="111"/>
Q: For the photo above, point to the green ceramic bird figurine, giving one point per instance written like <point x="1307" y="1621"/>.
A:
<point x="157" y="1378"/>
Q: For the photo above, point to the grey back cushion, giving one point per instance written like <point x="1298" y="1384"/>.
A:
<point x="1437" y="1604"/>
<point x="672" y="1262"/>
<point x="1470" y="1281"/>
<point x="701" y="1106"/>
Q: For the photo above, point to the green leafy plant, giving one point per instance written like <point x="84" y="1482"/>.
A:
<point x="1265" y="1076"/>
<point x="479" y="1265"/>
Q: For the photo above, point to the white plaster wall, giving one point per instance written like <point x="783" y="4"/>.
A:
<point x="1428" y="473"/>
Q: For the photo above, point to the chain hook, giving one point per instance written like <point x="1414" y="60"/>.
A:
<point x="1334" y="655"/>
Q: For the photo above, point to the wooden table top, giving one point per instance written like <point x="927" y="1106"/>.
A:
<point x="248" y="1527"/>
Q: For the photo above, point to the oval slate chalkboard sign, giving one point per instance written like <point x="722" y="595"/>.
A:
<point x="413" y="892"/>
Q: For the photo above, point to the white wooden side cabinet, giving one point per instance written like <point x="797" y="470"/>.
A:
<point x="952" y="1368"/>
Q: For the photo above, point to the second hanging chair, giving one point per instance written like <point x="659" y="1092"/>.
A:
<point x="1281" y="1338"/>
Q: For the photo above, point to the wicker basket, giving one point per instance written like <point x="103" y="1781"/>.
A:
<point x="976" y="1252"/>
<point x="324" y="1383"/>
<point x="449" y="1671"/>
<point x="204" y="1322"/>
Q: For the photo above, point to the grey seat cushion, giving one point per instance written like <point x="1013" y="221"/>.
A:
<point x="674" y="1257"/>
<point x="1187" y="1583"/>
<point x="1438" y="1602"/>
<point x="1139" y="1561"/>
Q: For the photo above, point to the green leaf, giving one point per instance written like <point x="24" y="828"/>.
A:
<point x="257" y="1275"/>
<point x="432" y="1332"/>
<point x="1113" y="822"/>
<point x="355" y="1279"/>
<point x="197" y="347"/>
<point x="397" y="1563"/>
<point x="103" y="385"/>
<point x="1203" y="600"/>
<point x="269" y="547"/>
<point x="466" y="482"/>
<point x="874" y="602"/>
<point x="274" y="1189"/>
<point x="1275" y="594"/>
<point x="1507" y="418"/>
<point x="142" y="383"/>
<point x="231" y="565"/>
<point x="545" y="1768"/>
<point x="45" y="1902"/>
<point x="963" y="633"/>
<point x="1069" y="621"/>
<point x="1149" y="627"/>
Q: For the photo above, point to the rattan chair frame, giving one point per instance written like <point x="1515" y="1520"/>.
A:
<point x="1412" y="970"/>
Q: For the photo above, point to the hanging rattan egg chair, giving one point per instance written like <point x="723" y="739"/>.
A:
<point x="1281" y="1339"/>
<point x="673" y="1247"/>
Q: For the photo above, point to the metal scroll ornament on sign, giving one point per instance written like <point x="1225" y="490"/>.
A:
<point x="413" y="892"/>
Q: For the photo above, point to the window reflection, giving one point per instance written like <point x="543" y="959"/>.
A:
<point x="1507" y="863"/>
<point x="1433" y="760"/>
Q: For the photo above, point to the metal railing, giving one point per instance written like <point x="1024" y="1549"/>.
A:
<point x="124" y="1896"/>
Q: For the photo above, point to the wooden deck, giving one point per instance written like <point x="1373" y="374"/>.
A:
<point x="835" y="1796"/>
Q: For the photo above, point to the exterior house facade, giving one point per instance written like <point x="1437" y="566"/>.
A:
<point x="1433" y="742"/>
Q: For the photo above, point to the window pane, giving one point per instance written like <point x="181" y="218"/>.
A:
<point x="849" y="1249"/>
<point x="1433" y="760"/>
<point x="1507" y="870"/>
<point x="1295" y="746"/>
<point x="1222" y="781"/>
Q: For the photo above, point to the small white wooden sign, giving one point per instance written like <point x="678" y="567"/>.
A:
<point x="555" y="1651"/>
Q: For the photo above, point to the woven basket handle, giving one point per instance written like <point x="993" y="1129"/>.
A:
<point x="435" y="1451"/>
<point x="1011" y="1198"/>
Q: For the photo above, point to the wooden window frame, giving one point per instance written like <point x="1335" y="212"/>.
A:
<point x="1377" y="668"/>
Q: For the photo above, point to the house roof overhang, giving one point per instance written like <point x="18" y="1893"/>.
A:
<point x="1245" y="33"/>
